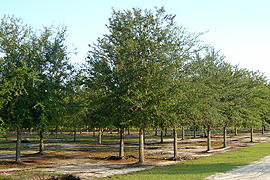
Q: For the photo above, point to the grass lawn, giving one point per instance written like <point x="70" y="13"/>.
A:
<point x="202" y="167"/>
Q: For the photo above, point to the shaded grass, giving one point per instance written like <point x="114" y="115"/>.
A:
<point x="203" y="167"/>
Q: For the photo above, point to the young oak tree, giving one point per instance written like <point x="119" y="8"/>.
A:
<point x="135" y="63"/>
<point x="17" y="76"/>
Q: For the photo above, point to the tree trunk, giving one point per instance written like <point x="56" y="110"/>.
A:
<point x="56" y="132"/>
<point x="166" y="132"/>
<point x="18" y="145"/>
<point x="183" y="132"/>
<point x="263" y="127"/>
<point x="99" y="135"/>
<point x="41" y="142"/>
<point x="235" y="131"/>
<point x="121" y="150"/>
<point x="128" y="131"/>
<point x="208" y="138"/>
<point x="175" y="144"/>
<point x="194" y="132"/>
<point x="74" y="135"/>
<point x="141" y="145"/>
<point x="224" y="137"/>
<point x="161" y="136"/>
<point x="156" y="132"/>
<point x="251" y="135"/>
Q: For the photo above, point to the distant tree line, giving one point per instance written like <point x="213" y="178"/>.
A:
<point x="146" y="72"/>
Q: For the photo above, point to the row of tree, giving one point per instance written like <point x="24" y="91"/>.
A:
<point x="34" y="77"/>
<point x="147" y="72"/>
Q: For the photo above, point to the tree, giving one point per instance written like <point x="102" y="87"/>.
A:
<point x="53" y="70"/>
<point x="255" y="100"/>
<point x="135" y="64"/>
<point x="16" y="75"/>
<point x="33" y="77"/>
<point x="206" y="76"/>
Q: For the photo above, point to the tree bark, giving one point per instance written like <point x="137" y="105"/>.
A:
<point x="235" y="131"/>
<point x="41" y="142"/>
<point x="18" y="145"/>
<point x="121" y="149"/>
<point x="183" y="132"/>
<point x="208" y="138"/>
<point x="141" y="144"/>
<point x="194" y="132"/>
<point x="263" y="127"/>
<point x="56" y="132"/>
<point x="224" y="137"/>
<point x="156" y="132"/>
<point x="99" y="135"/>
<point x="74" y="135"/>
<point x="175" y="144"/>
<point x="251" y="135"/>
<point x="161" y="136"/>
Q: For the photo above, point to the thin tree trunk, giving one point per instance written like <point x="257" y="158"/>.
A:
<point x="141" y="145"/>
<point x="166" y="132"/>
<point x="18" y="145"/>
<point x="99" y="135"/>
<point x="251" y="135"/>
<point x="183" y="132"/>
<point x="224" y="137"/>
<point x="156" y="132"/>
<point x="194" y="132"/>
<point x="161" y="136"/>
<point x="41" y="142"/>
<point x="235" y="133"/>
<point x="128" y="131"/>
<point x="56" y="132"/>
<point x="74" y="135"/>
<point x="208" y="138"/>
<point x="263" y="127"/>
<point x="121" y="150"/>
<point x="175" y="144"/>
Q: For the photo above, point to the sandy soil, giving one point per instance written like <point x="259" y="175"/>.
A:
<point x="89" y="165"/>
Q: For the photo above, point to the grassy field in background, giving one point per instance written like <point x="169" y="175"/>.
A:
<point x="202" y="167"/>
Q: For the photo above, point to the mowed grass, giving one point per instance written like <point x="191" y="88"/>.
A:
<point x="202" y="167"/>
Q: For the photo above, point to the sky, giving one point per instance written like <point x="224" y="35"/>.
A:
<point x="240" y="29"/>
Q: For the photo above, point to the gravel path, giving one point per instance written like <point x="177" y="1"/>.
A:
<point x="259" y="170"/>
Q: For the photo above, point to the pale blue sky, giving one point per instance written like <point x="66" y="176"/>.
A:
<point x="238" y="28"/>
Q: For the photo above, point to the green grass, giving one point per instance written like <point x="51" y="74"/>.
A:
<point x="202" y="167"/>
